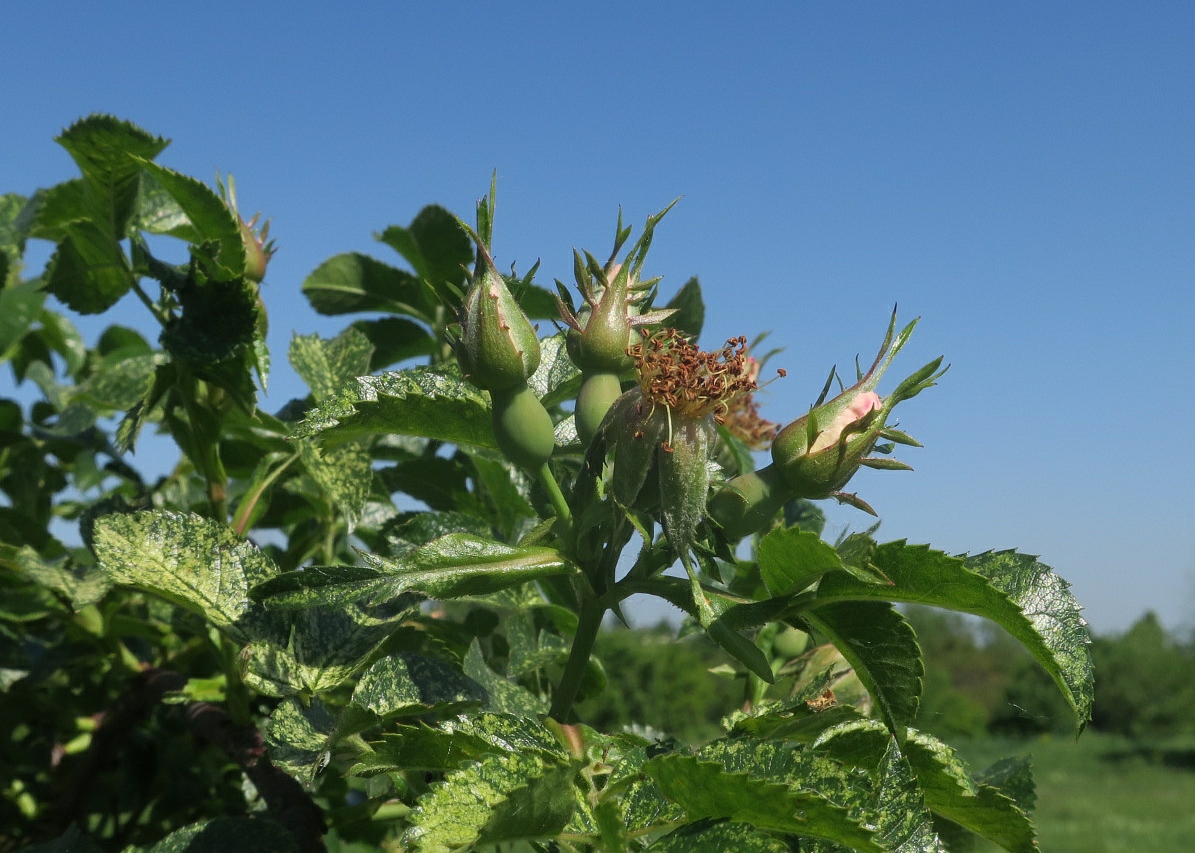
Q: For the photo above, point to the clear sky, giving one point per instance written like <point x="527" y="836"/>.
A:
<point x="1019" y="174"/>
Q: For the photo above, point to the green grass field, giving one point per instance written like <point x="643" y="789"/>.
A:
<point x="1105" y="794"/>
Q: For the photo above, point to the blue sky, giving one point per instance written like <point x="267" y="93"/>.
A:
<point x="1020" y="175"/>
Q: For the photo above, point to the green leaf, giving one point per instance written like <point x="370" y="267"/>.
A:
<point x="326" y="647"/>
<point x="352" y="282"/>
<point x="741" y="649"/>
<point x="89" y="272"/>
<point x="455" y="565"/>
<point x="212" y="220"/>
<point x="1053" y="615"/>
<point x="947" y="788"/>
<point x="421" y="748"/>
<point x="1015" y="591"/>
<point x="424" y="401"/>
<point x="130" y="426"/>
<point x="504" y="797"/>
<point x="684" y="481"/>
<point x="538" y="303"/>
<point x="61" y="336"/>
<point x="502" y="694"/>
<point x="81" y="586"/>
<point x="218" y="321"/>
<point x="119" y="381"/>
<point x="192" y="561"/>
<point x="407" y="684"/>
<point x="690" y="309"/>
<point x="790" y="559"/>
<point x="15" y="222"/>
<point x="556" y="379"/>
<point x="108" y="152"/>
<point x="406" y="533"/>
<point x="531" y="649"/>
<point x="327" y="365"/>
<point x="344" y="474"/>
<point x="435" y="246"/>
<point x="440" y="483"/>
<point x="394" y="339"/>
<point x="299" y="738"/>
<point x="743" y="785"/>
<point x="984" y="809"/>
<point x="903" y="822"/>
<point x="508" y="732"/>
<point x="19" y="307"/>
<point x="1013" y="777"/>
<point x="158" y="213"/>
<point x="882" y="649"/>
<point x="225" y="835"/>
<point x="508" y="490"/>
<point x="14" y="228"/>
<point x="53" y="208"/>
<point x="708" y="836"/>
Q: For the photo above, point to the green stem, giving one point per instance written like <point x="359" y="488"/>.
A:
<point x="205" y="446"/>
<point x="564" y="513"/>
<point x="249" y="502"/>
<point x="592" y="612"/>
<point x="153" y="309"/>
<point x="236" y="695"/>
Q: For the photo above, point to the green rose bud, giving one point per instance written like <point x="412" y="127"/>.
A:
<point x="604" y="328"/>
<point x="259" y="248"/>
<point x="497" y="347"/>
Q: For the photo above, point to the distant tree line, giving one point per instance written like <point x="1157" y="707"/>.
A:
<point x="978" y="682"/>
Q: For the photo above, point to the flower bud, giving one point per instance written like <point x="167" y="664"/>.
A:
<point x="602" y="331"/>
<point x="498" y="348"/>
<point x="255" y="241"/>
<point x="258" y="249"/>
<point x="820" y="452"/>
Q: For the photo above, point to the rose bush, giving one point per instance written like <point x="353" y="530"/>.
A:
<point x="365" y="620"/>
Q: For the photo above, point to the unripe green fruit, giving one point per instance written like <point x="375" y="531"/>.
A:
<point x="523" y="427"/>
<point x="750" y="502"/>
<point x="789" y="643"/>
<point x="597" y="395"/>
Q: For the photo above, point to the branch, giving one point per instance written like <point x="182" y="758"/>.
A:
<point x="131" y="708"/>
